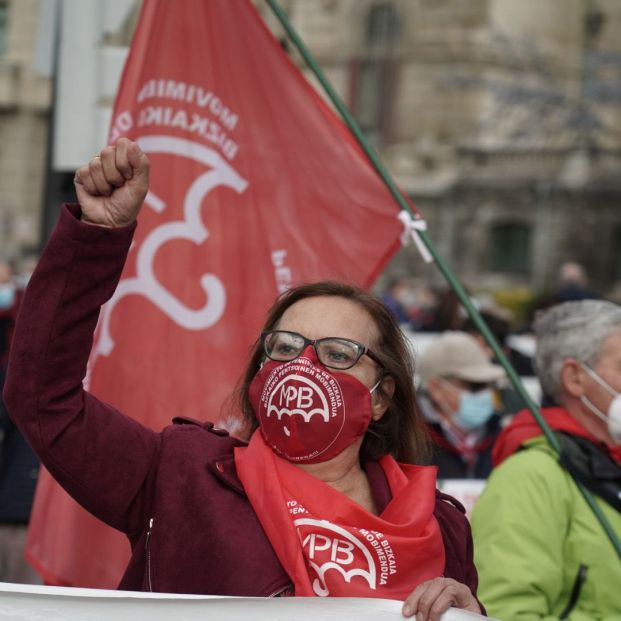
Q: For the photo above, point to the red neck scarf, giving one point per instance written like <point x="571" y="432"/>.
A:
<point x="329" y="544"/>
<point x="523" y="427"/>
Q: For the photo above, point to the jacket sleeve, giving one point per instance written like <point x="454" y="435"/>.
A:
<point x="519" y="524"/>
<point x="101" y="457"/>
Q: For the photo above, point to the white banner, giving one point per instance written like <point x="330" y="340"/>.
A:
<point x="36" y="603"/>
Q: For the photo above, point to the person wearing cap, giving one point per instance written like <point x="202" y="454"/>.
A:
<point x="539" y="549"/>
<point x="458" y="402"/>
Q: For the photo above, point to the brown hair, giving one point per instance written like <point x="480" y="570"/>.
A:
<point x="400" y="432"/>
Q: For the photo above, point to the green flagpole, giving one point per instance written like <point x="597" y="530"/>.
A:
<point x="444" y="268"/>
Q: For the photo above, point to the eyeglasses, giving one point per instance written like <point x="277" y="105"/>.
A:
<point x="332" y="352"/>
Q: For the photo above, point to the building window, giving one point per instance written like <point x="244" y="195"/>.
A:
<point x="382" y="26"/>
<point x="374" y="72"/>
<point x="4" y="27"/>
<point x="510" y="247"/>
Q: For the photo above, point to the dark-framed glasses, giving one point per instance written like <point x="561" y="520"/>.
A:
<point x="333" y="352"/>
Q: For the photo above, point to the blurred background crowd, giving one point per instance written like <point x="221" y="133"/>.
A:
<point x="447" y="344"/>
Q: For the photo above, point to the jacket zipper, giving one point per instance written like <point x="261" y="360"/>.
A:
<point x="148" y="549"/>
<point x="581" y="577"/>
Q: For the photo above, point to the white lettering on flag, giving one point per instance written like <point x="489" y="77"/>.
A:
<point x="191" y="228"/>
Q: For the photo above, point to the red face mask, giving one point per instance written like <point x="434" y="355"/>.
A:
<point x="308" y="414"/>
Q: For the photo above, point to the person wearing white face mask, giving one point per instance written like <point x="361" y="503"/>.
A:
<point x="613" y="416"/>
<point x="459" y="405"/>
<point x="539" y="550"/>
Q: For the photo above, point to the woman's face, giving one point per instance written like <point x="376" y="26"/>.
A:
<point x="325" y="316"/>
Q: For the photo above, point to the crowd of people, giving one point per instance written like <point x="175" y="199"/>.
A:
<point x="465" y="415"/>
<point x="540" y="551"/>
<point x="298" y="489"/>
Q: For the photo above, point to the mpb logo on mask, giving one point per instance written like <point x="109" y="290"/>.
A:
<point x="306" y="413"/>
<point x="301" y="397"/>
<point x="296" y="394"/>
<point x="301" y="409"/>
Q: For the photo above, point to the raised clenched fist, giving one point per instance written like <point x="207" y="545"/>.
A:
<point x="112" y="186"/>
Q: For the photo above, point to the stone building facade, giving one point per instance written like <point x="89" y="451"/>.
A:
<point x="25" y="97"/>
<point x="500" y="118"/>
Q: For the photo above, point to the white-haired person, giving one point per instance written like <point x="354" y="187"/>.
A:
<point x="540" y="551"/>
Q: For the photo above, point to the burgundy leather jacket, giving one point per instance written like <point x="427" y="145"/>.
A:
<point x="175" y="494"/>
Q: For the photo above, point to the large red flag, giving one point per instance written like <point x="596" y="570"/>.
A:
<point x="256" y="185"/>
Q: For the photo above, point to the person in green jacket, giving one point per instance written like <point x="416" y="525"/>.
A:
<point x="540" y="552"/>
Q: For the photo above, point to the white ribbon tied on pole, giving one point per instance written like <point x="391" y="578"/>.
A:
<point x="411" y="227"/>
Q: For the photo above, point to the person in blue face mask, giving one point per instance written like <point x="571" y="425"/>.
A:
<point x="459" y="403"/>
